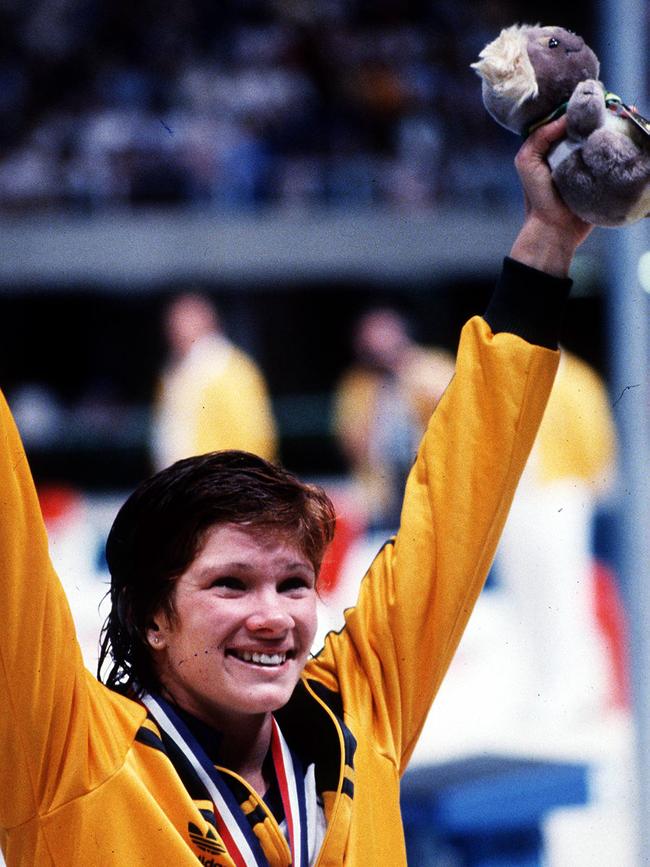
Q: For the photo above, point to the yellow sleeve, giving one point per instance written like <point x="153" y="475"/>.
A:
<point x="390" y="658"/>
<point x="48" y="753"/>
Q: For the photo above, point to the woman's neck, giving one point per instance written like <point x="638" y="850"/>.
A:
<point x="244" y="741"/>
<point x="244" y="747"/>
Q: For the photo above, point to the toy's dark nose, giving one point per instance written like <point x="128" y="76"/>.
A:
<point x="576" y="43"/>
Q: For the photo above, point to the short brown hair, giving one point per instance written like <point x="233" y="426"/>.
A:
<point x="159" y="531"/>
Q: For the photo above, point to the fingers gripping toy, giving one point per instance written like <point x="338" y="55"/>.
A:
<point x="533" y="74"/>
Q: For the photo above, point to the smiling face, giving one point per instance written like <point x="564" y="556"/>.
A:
<point x="244" y="622"/>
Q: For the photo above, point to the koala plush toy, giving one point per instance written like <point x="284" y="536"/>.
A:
<point x="533" y="74"/>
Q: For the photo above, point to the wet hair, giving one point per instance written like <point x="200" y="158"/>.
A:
<point x="160" y="529"/>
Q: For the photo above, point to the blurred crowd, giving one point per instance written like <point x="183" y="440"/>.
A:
<point x="248" y="103"/>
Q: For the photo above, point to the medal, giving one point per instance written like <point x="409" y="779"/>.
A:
<point x="234" y="828"/>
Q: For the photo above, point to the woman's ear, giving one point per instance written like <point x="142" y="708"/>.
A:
<point x="155" y="636"/>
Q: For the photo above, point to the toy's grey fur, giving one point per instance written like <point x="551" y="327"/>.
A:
<point x="602" y="168"/>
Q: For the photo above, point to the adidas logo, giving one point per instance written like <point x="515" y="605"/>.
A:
<point x="208" y="842"/>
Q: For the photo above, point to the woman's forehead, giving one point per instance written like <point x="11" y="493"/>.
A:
<point x="250" y="542"/>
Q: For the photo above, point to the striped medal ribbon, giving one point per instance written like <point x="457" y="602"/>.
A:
<point x="291" y="781"/>
<point x="241" y="842"/>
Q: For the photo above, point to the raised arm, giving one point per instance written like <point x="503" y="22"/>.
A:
<point x="419" y="592"/>
<point x="47" y="752"/>
<point x="40" y="662"/>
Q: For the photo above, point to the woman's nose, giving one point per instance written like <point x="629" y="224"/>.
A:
<point x="268" y="614"/>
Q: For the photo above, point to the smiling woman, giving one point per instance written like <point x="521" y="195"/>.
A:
<point x="233" y="651"/>
<point x="170" y="535"/>
<point x="214" y="738"/>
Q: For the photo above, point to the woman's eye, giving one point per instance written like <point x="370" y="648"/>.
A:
<point x="228" y="583"/>
<point x="296" y="583"/>
<point x="553" y="42"/>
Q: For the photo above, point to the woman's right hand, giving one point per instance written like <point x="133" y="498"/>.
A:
<point x="551" y="233"/>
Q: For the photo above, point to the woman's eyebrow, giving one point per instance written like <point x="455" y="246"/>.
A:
<point x="300" y="564"/>
<point x="208" y="569"/>
<point x="220" y="567"/>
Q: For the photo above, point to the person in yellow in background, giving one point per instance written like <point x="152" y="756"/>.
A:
<point x="211" y="395"/>
<point x="545" y="560"/>
<point x="577" y="437"/>
<point x="212" y="735"/>
<point x="382" y="406"/>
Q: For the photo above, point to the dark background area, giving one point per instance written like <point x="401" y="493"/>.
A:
<point x="103" y="357"/>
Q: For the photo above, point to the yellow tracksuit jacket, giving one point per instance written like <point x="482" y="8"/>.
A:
<point x="84" y="776"/>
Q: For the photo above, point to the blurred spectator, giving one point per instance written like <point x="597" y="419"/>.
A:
<point x="211" y="395"/>
<point x="382" y="406"/>
<point x="546" y="556"/>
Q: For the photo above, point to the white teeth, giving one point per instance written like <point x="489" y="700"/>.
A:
<point x="262" y="658"/>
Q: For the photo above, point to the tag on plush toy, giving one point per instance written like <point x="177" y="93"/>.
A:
<point x="639" y="120"/>
<point x="615" y="104"/>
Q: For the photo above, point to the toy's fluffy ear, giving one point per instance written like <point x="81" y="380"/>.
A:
<point x="505" y="67"/>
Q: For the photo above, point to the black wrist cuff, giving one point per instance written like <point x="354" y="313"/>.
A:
<point x="529" y="303"/>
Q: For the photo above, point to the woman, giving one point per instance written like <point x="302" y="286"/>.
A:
<point x="218" y="741"/>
